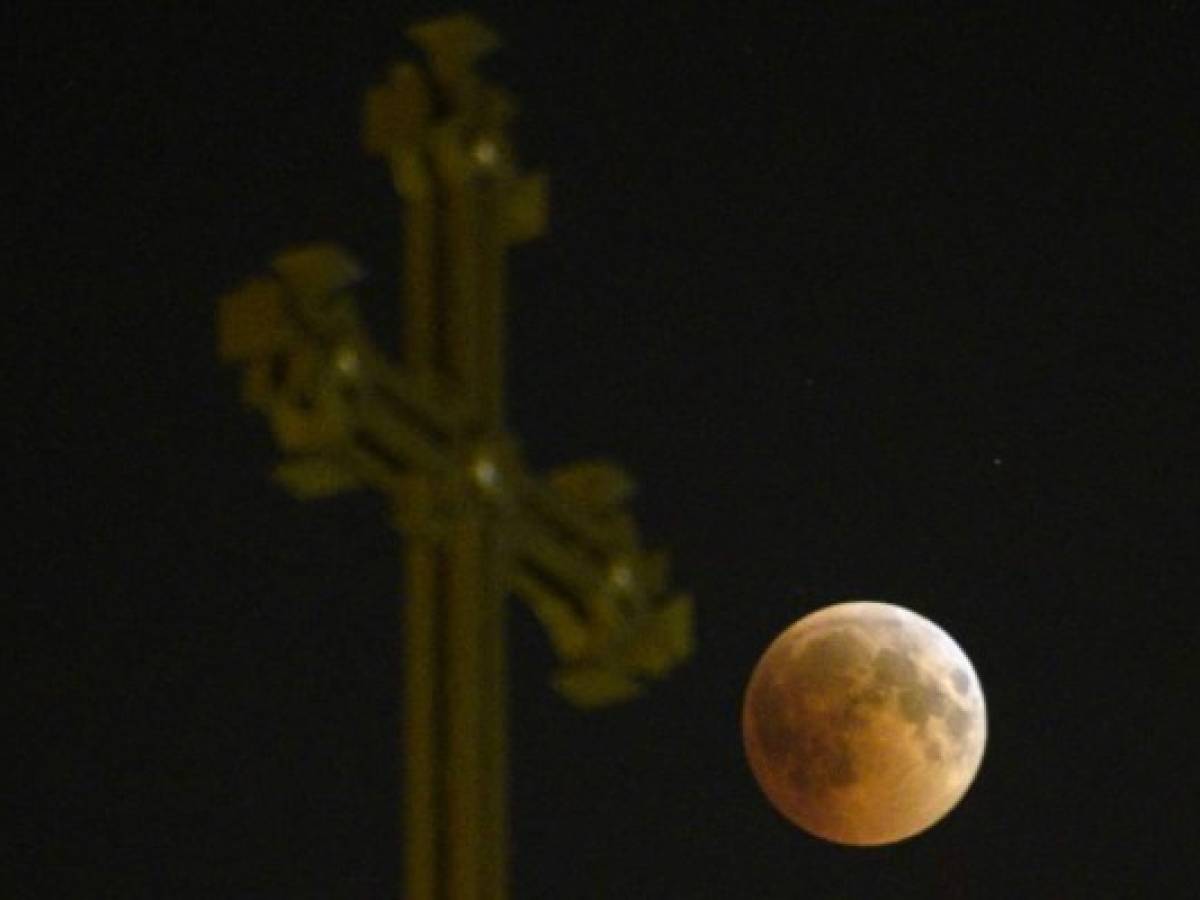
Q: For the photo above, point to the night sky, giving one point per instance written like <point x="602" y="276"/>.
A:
<point x="873" y="300"/>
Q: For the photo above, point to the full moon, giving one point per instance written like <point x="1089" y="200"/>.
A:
<point x="864" y="723"/>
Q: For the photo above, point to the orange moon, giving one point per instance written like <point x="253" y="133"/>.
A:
<point x="864" y="723"/>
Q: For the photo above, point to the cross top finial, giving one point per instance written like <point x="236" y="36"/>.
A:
<point x="454" y="43"/>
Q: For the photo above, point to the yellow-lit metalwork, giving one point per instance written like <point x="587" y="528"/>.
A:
<point x="429" y="432"/>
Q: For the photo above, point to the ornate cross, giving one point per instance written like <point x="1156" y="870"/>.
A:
<point x="429" y="433"/>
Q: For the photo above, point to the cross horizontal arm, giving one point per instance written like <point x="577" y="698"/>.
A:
<point x="348" y="417"/>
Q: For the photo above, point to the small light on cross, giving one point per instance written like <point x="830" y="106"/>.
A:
<point x="486" y="473"/>
<point x="346" y="361"/>
<point x="485" y="153"/>
<point x="621" y="576"/>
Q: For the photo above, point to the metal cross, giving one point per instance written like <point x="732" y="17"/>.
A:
<point x="429" y="433"/>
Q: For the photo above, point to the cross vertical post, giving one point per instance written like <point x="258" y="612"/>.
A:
<point x="430" y="434"/>
<point x="456" y="187"/>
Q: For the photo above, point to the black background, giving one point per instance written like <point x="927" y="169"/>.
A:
<point x="874" y="300"/>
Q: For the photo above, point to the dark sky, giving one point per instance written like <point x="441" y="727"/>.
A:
<point x="874" y="300"/>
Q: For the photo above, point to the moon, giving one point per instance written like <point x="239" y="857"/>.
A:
<point x="864" y="723"/>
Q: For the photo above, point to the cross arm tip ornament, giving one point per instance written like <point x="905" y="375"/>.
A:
<point x="656" y="643"/>
<point x="398" y="125"/>
<point x="605" y="602"/>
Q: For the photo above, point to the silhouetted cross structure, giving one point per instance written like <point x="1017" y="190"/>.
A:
<point x="429" y="433"/>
